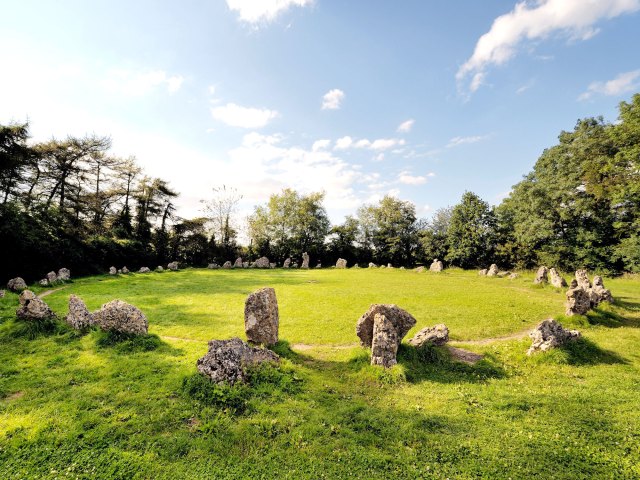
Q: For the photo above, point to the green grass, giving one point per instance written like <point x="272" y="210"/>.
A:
<point x="94" y="405"/>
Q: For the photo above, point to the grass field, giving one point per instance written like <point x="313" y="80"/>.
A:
<point x="86" y="406"/>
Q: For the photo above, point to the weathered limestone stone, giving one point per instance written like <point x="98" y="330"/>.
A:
<point x="578" y="301"/>
<point x="513" y="276"/>
<point x="402" y="321"/>
<point x="78" y="316"/>
<point x="2" y="293"/>
<point x="420" y="269"/>
<point x="493" y="270"/>
<point x="238" y="263"/>
<point x="599" y="291"/>
<point x="436" y="335"/>
<point x="226" y="361"/>
<point x="355" y="265"/>
<point x="262" y="262"/>
<point x="159" y="268"/>
<point x="44" y="282"/>
<point x="305" y="260"/>
<point x="261" y="318"/>
<point x="384" y="344"/>
<point x="341" y="263"/>
<point x="483" y="272"/>
<point x="173" y="266"/>
<point x="389" y="265"/>
<point x="119" y="271"/>
<point x="16" y="284"/>
<point x="213" y="266"/>
<point x="227" y="264"/>
<point x="144" y="270"/>
<point x="372" y="265"/>
<point x="272" y="265"/>
<point x="294" y="265"/>
<point x="582" y="277"/>
<point x="436" y="266"/>
<point x="52" y="278"/>
<point x="550" y="334"/>
<point x="125" y="270"/>
<point x="287" y="263"/>
<point x="64" y="274"/>
<point x="319" y="265"/>
<point x="33" y="308"/>
<point x="113" y="271"/>
<point x="121" y="317"/>
<point x="382" y="266"/>
<point x="541" y="275"/>
<point x="556" y="279"/>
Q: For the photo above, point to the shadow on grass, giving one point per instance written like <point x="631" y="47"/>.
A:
<point x="586" y="352"/>
<point x="604" y="315"/>
<point x="33" y="329"/>
<point x="131" y="343"/>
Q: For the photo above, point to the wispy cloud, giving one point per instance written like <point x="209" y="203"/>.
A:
<point x="406" y="178"/>
<point x="378" y="145"/>
<point x="257" y="11"/>
<point x="243" y="117"/>
<point x="526" y="86"/>
<point x="332" y="100"/>
<point x="623" y="83"/>
<point x="455" y="141"/>
<point x="406" y="126"/>
<point x="139" y="83"/>
<point x="532" y="21"/>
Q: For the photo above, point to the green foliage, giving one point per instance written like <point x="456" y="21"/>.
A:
<point x="229" y="397"/>
<point x="127" y="342"/>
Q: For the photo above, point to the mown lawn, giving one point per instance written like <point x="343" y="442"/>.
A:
<point x="84" y="406"/>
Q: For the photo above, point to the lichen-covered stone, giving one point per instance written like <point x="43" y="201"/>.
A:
<point x="262" y="262"/>
<point x="305" y="260"/>
<point x="124" y="270"/>
<point x="372" y="265"/>
<point x="550" y="334"/>
<point x="483" y="272"/>
<point x="64" y="274"/>
<point x="556" y="279"/>
<point x="121" y="317"/>
<point x="227" y="361"/>
<point x="261" y="316"/>
<point x="144" y="270"/>
<point x="436" y="266"/>
<point x="113" y="270"/>
<point x="542" y="275"/>
<point x="16" y="284"/>
<point x="493" y="270"/>
<point x="287" y="263"/>
<point x="238" y="263"/>
<point x="159" y="268"/>
<point x="599" y="292"/>
<point x="582" y="277"/>
<point x="436" y="335"/>
<point x="384" y="343"/>
<point x="78" y="316"/>
<point x="402" y="321"/>
<point x="173" y="266"/>
<point x="420" y="269"/>
<point x="25" y="296"/>
<point x="213" y="266"/>
<point x="578" y="301"/>
<point x="341" y="263"/>
<point x="52" y="277"/>
<point x="33" y="308"/>
<point x="227" y="264"/>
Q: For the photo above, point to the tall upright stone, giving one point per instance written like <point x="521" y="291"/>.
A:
<point x="341" y="263"/>
<point x="64" y="274"/>
<point x="78" y="316"/>
<point x="582" y="277"/>
<point x="542" y="276"/>
<point x="402" y="321"/>
<point x="599" y="292"/>
<point x="287" y="263"/>
<point x="436" y="266"/>
<point x="305" y="260"/>
<point x="384" y="343"/>
<point x="238" y="263"/>
<point x="261" y="316"/>
<point x="556" y="279"/>
<point x="493" y="270"/>
<point x="578" y="301"/>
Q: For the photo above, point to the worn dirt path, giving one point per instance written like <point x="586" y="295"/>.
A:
<point x="49" y="292"/>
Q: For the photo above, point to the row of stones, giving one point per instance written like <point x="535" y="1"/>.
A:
<point x="18" y="284"/>
<point x="124" y="270"/>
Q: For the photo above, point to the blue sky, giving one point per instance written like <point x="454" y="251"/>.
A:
<point x="418" y="99"/>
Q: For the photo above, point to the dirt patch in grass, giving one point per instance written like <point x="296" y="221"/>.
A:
<point x="13" y="396"/>
<point x="464" y="356"/>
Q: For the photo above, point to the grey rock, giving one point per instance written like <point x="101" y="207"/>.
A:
<point x="493" y="270"/>
<point x="25" y="296"/>
<point x="52" y="278"/>
<point x="503" y="273"/>
<point x="542" y="275"/>
<point x="319" y="265"/>
<point x="144" y="270"/>
<point x="372" y="265"/>
<point x="582" y="277"/>
<point x="16" y="284"/>
<point x="261" y="317"/>
<point x="578" y="301"/>
<point x="402" y="321"/>
<point x="436" y="266"/>
<point x="125" y="270"/>
<point x="113" y="271"/>
<point x="119" y="271"/>
<point x="44" y="282"/>
<point x="305" y="260"/>
<point x="384" y="344"/>
<point x="389" y="265"/>
<point x="262" y="262"/>
<point x="213" y="266"/>
<point x="436" y="335"/>
<point x="295" y="265"/>
<point x="272" y="265"/>
<point x="78" y="316"/>
<point x="33" y="308"/>
<point x="599" y="292"/>
<point x="287" y="263"/>
<point x="2" y="293"/>
<point x="420" y="269"/>
<point x="550" y="334"/>
<point x="64" y="274"/>
<point x="173" y="266"/>
<point x="556" y="279"/>
<point x="341" y="263"/>
<point x="227" y="264"/>
<point x="238" y="263"/>
<point x="245" y="264"/>
<point x="121" y="317"/>
<point x="227" y="361"/>
<point x="382" y="266"/>
<point x="483" y="272"/>
<point x="159" y="268"/>
<point x="573" y="284"/>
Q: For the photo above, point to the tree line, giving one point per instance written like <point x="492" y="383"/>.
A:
<point x="71" y="202"/>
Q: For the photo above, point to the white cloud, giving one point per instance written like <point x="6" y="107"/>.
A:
<point x="623" y="83"/>
<point x="407" y="179"/>
<point x="256" y="11"/>
<point x="332" y="100"/>
<point x="135" y="84"/>
<point x="344" y="143"/>
<point x="406" y="126"/>
<point x="455" y="141"/>
<point x="531" y="21"/>
<point x="385" y="143"/>
<point x="244" y="117"/>
<point x="377" y="145"/>
<point x="363" y="143"/>
<point x="526" y="86"/>
<point x="321" y="144"/>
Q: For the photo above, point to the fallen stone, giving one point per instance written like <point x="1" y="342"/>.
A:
<point x="227" y="361"/>
<point x="33" y="308"/>
<point x="341" y="263"/>
<point x="556" y="279"/>
<point x="402" y="321"/>
<point x="64" y="274"/>
<point x="78" y="316"/>
<point x="599" y="292"/>
<point x="227" y="264"/>
<point x="121" y="317"/>
<point x="305" y="260"/>
<point x="16" y="284"/>
<point x="493" y="270"/>
<point x="261" y="317"/>
<point x="238" y="263"/>
<point x="384" y="343"/>
<point x="578" y="301"/>
<point x="113" y="271"/>
<point x="173" y="266"/>
<point x="436" y="335"/>
<point x="287" y="263"/>
<point x="436" y="266"/>
<point x="541" y="275"/>
<point x="550" y="334"/>
<point x="144" y="270"/>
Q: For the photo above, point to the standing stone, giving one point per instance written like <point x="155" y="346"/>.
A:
<point x="52" y="278"/>
<point x="389" y="265"/>
<point x="238" y="263"/>
<point x="483" y="272"/>
<point x="341" y="263"/>
<point x="384" y="344"/>
<point x="113" y="271"/>
<point x="261" y="317"/>
<point x="119" y="271"/>
<point x="16" y="284"/>
<point x="556" y="279"/>
<point x="402" y="321"/>
<point x="420" y="269"/>
<point x="262" y="262"/>
<point x="227" y="361"/>
<point x="25" y="296"/>
<point x="305" y="260"/>
<point x="600" y="293"/>
<point x="294" y="265"/>
<point x="272" y="265"/>
<point x="287" y="263"/>
<point x="78" y="316"/>
<point x="33" y="308"/>
<point x="245" y="264"/>
<point x="64" y="274"/>
<point x="541" y="275"/>
<point x="436" y="335"/>
<point x="144" y="270"/>
<point x="159" y="268"/>
<point x="173" y="266"/>
<point x="574" y="283"/>
<point x="227" y="264"/>
<point x="125" y="270"/>
<point x="372" y="265"/>
<point x="578" y="301"/>
<point x="436" y="266"/>
<point x="121" y="317"/>
<point x="493" y="270"/>
<point x="583" y="280"/>
<point x="2" y="293"/>
<point x="319" y="265"/>
<point x="550" y="334"/>
<point x="44" y="282"/>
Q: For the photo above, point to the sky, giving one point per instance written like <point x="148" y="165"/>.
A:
<point x="422" y="100"/>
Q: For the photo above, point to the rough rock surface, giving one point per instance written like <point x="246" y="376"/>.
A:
<point x="261" y="318"/>
<point x="125" y="270"/>
<point x="305" y="260"/>
<point x="52" y="277"/>
<point x="238" y="263"/>
<point x="556" y="279"/>
<point x="384" y="344"/>
<point x="144" y="270"/>
<point x="226" y="361"/>
<point x="78" y="316"/>
<point x="574" y="283"/>
<point x="173" y="266"/>
<point x="578" y="301"/>
<point x="227" y="264"/>
<point x="33" y="308"/>
<point x="245" y="265"/>
<point x="493" y="270"/>
<point x="262" y="262"/>
<point x="420" y="269"/>
<point x="341" y="263"/>
<point x="113" y="270"/>
<point x="599" y="292"/>
<point x="287" y="263"/>
<point x="483" y="272"/>
<point x="436" y="335"/>
<point x="401" y="320"/>
<point x="372" y="265"/>
<point x="550" y="334"/>
<point x="122" y="317"/>
<point x="64" y="274"/>
<point x="542" y="275"/>
<point x="44" y="282"/>
<point x="159" y="268"/>
<point x="16" y="284"/>
<point x="2" y="293"/>
<point x="582" y="277"/>
<point x="436" y="266"/>
<point x="389" y="265"/>
<point x="213" y="266"/>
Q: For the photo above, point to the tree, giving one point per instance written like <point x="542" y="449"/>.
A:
<point x="342" y="241"/>
<point x="433" y="237"/>
<point x="221" y="211"/>
<point x="14" y="157"/>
